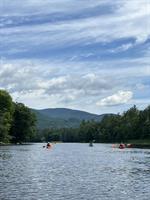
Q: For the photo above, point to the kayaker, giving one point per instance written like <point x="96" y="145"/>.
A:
<point x="91" y="143"/>
<point x="48" y="145"/>
<point x="121" y="146"/>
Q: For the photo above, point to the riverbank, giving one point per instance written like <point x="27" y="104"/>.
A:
<point x="144" y="144"/>
<point x="10" y="144"/>
<point x="4" y="144"/>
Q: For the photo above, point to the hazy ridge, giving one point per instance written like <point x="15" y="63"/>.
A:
<point x="63" y="117"/>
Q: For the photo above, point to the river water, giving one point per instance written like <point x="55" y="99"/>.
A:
<point x="74" y="172"/>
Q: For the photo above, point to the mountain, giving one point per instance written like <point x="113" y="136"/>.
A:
<point x="62" y="117"/>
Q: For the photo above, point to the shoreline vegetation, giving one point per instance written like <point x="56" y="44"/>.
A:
<point x="140" y="143"/>
<point x="17" y="122"/>
<point x="18" y="126"/>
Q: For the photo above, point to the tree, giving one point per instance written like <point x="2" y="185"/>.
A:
<point x="6" y="115"/>
<point x="23" y="127"/>
<point x="144" y="124"/>
<point x="131" y="122"/>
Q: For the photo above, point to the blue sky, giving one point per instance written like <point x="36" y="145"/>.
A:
<point x="80" y="54"/>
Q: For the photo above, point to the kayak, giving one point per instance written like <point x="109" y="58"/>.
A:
<point x="48" y="147"/>
<point x="122" y="146"/>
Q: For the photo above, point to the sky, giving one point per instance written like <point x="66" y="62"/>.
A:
<point x="91" y="55"/>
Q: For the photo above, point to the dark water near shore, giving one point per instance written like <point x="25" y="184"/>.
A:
<point x="74" y="172"/>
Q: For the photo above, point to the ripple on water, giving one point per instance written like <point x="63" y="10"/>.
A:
<point x="74" y="172"/>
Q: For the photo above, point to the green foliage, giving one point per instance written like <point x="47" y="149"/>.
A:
<point x="132" y="124"/>
<point x="6" y="115"/>
<point x="6" y="104"/>
<point x="23" y="127"/>
<point x="62" y="118"/>
<point x="17" y="122"/>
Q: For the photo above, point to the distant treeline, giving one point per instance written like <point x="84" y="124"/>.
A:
<point x="132" y="124"/>
<point x="17" y="122"/>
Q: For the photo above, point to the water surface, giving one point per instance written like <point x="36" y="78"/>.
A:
<point x="74" y="172"/>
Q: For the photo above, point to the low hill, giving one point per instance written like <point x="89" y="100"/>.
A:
<point x="62" y="117"/>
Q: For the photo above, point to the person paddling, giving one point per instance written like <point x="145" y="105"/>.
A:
<point x="48" y="145"/>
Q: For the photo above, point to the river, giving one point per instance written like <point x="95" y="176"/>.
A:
<point x="74" y="172"/>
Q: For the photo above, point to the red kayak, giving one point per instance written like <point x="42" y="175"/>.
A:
<point x="122" y="146"/>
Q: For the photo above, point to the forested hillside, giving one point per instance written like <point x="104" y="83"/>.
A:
<point x="63" y="118"/>
<point x="133" y="124"/>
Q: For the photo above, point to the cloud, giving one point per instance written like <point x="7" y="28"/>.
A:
<point x="73" y="86"/>
<point x="121" y="97"/>
<point x="25" y="78"/>
<point x="42" y="84"/>
<point x="57" y="55"/>
<point x="66" y="80"/>
<point x="121" y="48"/>
<point x="129" y="19"/>
<point x="21" y="78"/>
<point x="25" y="7"/>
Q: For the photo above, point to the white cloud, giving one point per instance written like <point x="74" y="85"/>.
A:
<point x="67" y="80"/>
<point x="121" y="97"/>
<point x="64" y="84"/>
<point x="121" y="48"/>
<point x="22" y="78"/>
<point x="130" y="19"/>
<point x="72" y="82"/>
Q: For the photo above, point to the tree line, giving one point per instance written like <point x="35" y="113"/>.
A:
<point x="133" y="124"/>
<point x="17" y="122"/>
